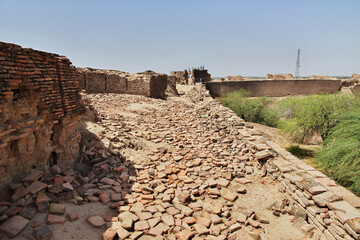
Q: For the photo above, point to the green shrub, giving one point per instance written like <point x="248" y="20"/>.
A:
<point x="251" y="109"/>
<point x="340" y="155"/>
<point x="312" y="114"/>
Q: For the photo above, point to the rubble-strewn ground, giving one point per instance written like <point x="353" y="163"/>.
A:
<point x="180" y="152"/>
<point x="183" y="172"/>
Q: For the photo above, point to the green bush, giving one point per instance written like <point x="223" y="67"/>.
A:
<point x="340" y="155"/>
<point x="312" y="114"/>
<point x="251" y="109"/>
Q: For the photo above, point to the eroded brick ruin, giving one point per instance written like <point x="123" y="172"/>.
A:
<point x="184" y="168"/>
<point x="147" y="83"/>
<point x="40" y="107"/>
<point x="279" y="76"/>
<point x="180" y="76"/>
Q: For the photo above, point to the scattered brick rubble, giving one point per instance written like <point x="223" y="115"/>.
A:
<point x="178" y="170"/>
<point x="181" y="168"/>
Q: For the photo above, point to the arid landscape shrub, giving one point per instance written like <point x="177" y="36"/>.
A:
<point x="340" y="155"/>
<point x="256" y="110"/>
<point x="302" y="117"/>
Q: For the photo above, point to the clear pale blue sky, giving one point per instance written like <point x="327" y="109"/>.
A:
<point x="229" y="37"/>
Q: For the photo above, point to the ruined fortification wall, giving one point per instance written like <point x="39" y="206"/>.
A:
<point x="234" y="78"/>
<point x="275" y="88"/>
<point x="319" y="77"/>
<point x="201" y="75"/>
<point x="102" y="81"/>
<point x="180" y="76"/>
<point x="148" y="83"/>
<point x="171" y="86"/>
<point x="40" y="107"/>
<point x="282" y="76"/>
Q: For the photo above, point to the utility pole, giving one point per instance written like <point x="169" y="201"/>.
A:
<point x="297" y="71"/>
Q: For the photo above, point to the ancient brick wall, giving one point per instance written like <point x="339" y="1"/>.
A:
<point x="181" y="76"/>
<point x="275" y="88"/>
<point x="116" y="83"/>
<point x="148" y="83"/>
<point x="234" y="78"/>
<point x="201" y="75"/>
<point x="280" y="76"/>
<point x="40" y="107"/>
<point x="95" y="82"/>
<point x="171" y="86"/>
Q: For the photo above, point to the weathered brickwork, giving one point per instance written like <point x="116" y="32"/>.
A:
<point x="147" y="83"/>
<point x="39" y="110"/>
<point x="181" y="77"/>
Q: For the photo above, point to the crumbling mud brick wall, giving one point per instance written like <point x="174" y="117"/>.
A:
<point x="147" y="83"/>
<point x="40" y="107"/>
<point x="319" y="77"/>
<point x="201" y="75"/>
<point x="181" y="76"/>
<point x="355" y="76"/>
<point x="102" y="81"/>
<point x="275" y="88"/>
<point x="116" y="83"/>
<point x="171" y="86"/>
<point x="279" y="76"/>
<point x="234" y="78"/>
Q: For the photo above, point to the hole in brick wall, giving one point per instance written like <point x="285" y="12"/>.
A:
<point x="16" y="94"/>
<point x="53" y="159"/>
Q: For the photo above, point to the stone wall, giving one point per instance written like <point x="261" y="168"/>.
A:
<point x="40" y="107"/>
<point x="275" y="88"/>
<point x="148" y="83"/>
<point x="320" y="201"/>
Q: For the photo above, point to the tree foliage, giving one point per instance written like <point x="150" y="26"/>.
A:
<point x="340" y="155"/>
<point x="313" y="114"/>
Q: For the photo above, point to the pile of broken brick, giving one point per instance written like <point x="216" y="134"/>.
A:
<point x="192" y="185"/>
<point x="47" y="192"/>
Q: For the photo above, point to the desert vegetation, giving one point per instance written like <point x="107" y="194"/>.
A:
<point x="257" y="110"/>
<point x="334" y="117"/>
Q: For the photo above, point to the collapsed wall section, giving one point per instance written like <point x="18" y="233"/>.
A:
<point x="40" y="107"/>
<point x="147" y="83"/>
